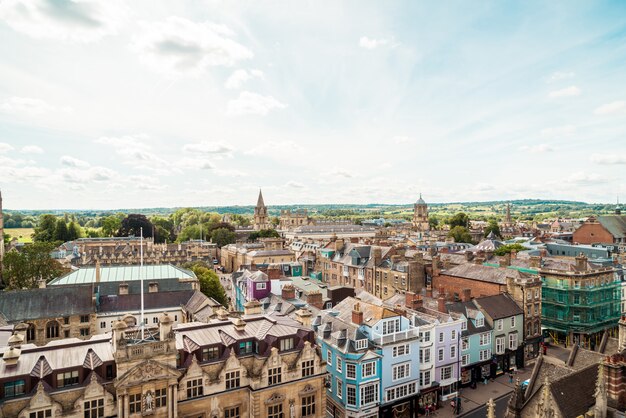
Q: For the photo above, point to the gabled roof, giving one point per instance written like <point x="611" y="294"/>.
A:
<point x="574" y="393"/>
<point x="615" y="224"/>
<point x="50" y="302"/>
<point x="482" y="273"/>
<point x="499" y="306"/>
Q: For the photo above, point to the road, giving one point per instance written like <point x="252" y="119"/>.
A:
<point x="481" y="412"/>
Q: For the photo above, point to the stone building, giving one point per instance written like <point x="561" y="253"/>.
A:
<point x="420" y="215"/>
<point x="261" y="218"/>
<point x="269" y="251"/>
<point x="254" y="366"/>
<point x="292" y="219"/>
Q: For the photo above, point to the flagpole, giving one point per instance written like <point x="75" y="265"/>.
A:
<point x="141" y="280"/>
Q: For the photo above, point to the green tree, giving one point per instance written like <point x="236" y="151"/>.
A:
<point x="60" y="232"/>
<point x="133" y="224"/>
<point x="493" y="226"/>
<point x="223" y="236"/>
<point x="433" y="222"/>
<point x="460" y="234"/>
<point x="110" y="225"/>
<point x="240" y="220"/>
<point x="460" y="219"/>
<point x="24" y="268"/>
<point x="505" y="249"/>
<point x="73" y="231"/>
<point x="263" y="233"/>
<point x="210" y="284"/>
<point x="45" y="230"/>
<point x="6" y="238"/>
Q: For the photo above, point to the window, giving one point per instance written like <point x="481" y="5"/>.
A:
<point x="513" y="341"/>
<point x="480" y="322"/>
<point x="194" y="388"/>
<point x="425" y="355"/>
<point x="286" y="344"/>
<point x="66" y="333"/>
<point x="84" y="318"/>
<point x="84" y="332"/>
<point x="275" y="411"/>
<point x="401" y="391"/>
<point x="360" y="344"/>
<point x="441" y="337"/>
<point x="94" y="409"/>
<point x="67" y="378"/>
<point x="134" y="403"/>
<point x="232" y="412"/>
<point x="232" y="380"/>
<point x="512" y="322"/>
<point x="15" y="388"/>
<point x="465" y="359"/>
<point x="453" y="335"/>
<point x="66" y="320"/>
<point x="536" y="293"/>
<point x="261" y="286"/>
<point x="453" y="352"/>
<point x="329" y="358"/>
<point x="485" y="338"/>
<point x="401" y="350"/>
<point x="464" y="325"/>
<point x="351" y="395"/>
<point x="52" y="329"/>
<point x="446" y="372"/>
<point x="427" y="336"/>
<point x="351" y="370"/>
<point x="308" y="406"/>
<point x="308" y="368"/>
<point x="274" y="376"/>
<point x="484" y="355"/>
<point x="30" y="333"/>
<point x="245" y="347"/>
<point x="499" y="325"/>
<point x="160" y="396"/>
<point x="425" y="378"/>
<point x="369" y="394"/>
<point x="391" y="327"/>
<point x="339" y="388"/>
<point x="440" y="354"/>
<point x="368" y="369"/>
<point x="401" y="371"/>
<point x="536" y="309"/>
<point x="210" y="353"/>
<point x="465" y="343"/>
<point x="155" y="320"/>
<point x="103" y="324"/>
<point x="339" y="365"/>
<point x="46" y="413"/>
<point x="499" y="345"/>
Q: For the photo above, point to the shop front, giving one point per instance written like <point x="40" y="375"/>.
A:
<point x="428" y="397"/>
<point x="403" y="408"/>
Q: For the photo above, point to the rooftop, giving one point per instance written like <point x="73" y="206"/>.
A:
<point x="125" y="274"/>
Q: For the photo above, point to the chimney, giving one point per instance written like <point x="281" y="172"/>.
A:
<point x="314" y="298"/>
<point x="165" y="327"/>
<point x="429" y="291"/>
<point x="222" y="314"/>
<point x="153" y="287"/>
<point x="581" y="262"/>
<point x="622" y="334"/>
<point x="377" y="253"/>
<point x="513" y="255"/>
<point x="466" y="295"/>
<point x="252" y="308"/>
<point x="419" y="257"/>
<point x="535" y="261"/>
<point x="413" y="301"/>
<point x="505" y="260"/>
<point x="357" y="314"/>
<point x="98" y="271"/>
<point x="303" y="316"/>
<point x="21" y="329"/>
<point x="401" y="252"/>
<point x="239" y="324"/>
<point x="435" y="264"/>
<point x="441" y="303"/>
<point x="288" y="292"/>
<point x="14" y="348"/>
<point x="123" y="289"/>
<point x="339" y="243"/>
<point x="469" y="255"/>
<point x="41" y="283"/>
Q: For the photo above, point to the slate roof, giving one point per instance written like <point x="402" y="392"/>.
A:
<point x="469" y="309"/>
<point x="615" y="224"/>
<point x="165" y="285"/>
<point x="125" y="274"/>
<point x="574" y="393"/>
<point x="499" y="306"/>
<point x="121" y="303"/>
<point x="482" y="273"/>
<point x="50" y="302"/>
<point x="371" y="313"/>
<point x="343" y="334"/>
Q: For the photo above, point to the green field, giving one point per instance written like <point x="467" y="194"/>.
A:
<point x="22" y="234"/>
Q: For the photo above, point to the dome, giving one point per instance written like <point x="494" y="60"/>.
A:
<point x="420" y="201"/>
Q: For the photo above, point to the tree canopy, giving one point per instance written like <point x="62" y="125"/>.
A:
<point x="460" y="219"/>
<point x="263" y="233"/>
<point x="223" y="236"/>
<point x="506" y="249"/>
<point x="132" y="225"/>
<point x="24" y="268"/>
<point x="493" y="226"/>
<point x="210" y="283"/>
<point x="460" y="234"/>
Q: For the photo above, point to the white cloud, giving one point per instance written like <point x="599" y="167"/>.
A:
<point x="566" y="92"/>
<point x="369" y="43"/>
<point x="146" y="182"/>
<point x="77" y="21"/>
<point x="277" y="149"/>
<point x="31" y="149"/>
<point x="582" y="178"/>
<point x="137" y="153"/>
<point x="27" y="105"/>
<point x="123" y="142"/>
<point x="253" y="103"/>
<point x="560" y="75"/>
<point x="206" y="147"/>
<point x="4" y="147"/>
<point x="558" y="132"/>
<point x="609" y="159"/>
<point x="68" y="161"/>
<point x="538" y="149"/>
<point x="179" y="46"/>
<point x="196" y="164"/>
<point x="295" y="185"/>
<point x="239" y="77"/>
<point x="92" y="174"/>
<point x="342" y="173"/>
<point x="613" y="107"/>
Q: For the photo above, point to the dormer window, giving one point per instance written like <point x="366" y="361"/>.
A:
<point x="360" y="344"/>
<point x="480" y="322"/>
<point x="261" y="286"/>
<point x="286" y="344"/>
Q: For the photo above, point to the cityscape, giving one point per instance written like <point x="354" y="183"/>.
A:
<point x="312" y="209"/>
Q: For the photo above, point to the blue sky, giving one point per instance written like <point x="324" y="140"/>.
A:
<point x="140" y="104"/>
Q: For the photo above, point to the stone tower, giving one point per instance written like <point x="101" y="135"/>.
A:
<point x="420" y="215"/>
<point x="261" y="220"/>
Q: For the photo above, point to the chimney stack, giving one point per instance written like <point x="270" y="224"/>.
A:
<point x="535" y="261"/>
<point x="240" y="324"/>
<point x="505" y="260"/>
<point x="41" y="283"/>
<point x="466" y="295"/>
<point x="413" y="301"/>
<point x="441" y="303"/>
<point x="252" y="308"/>
<point x="314" y="298"/>
<point x="581" y="262"/>
<point x="429" y="291"/>
<point x="339" y="243"/>
<point x="357" y="314"/>
<point x="377" y="255"/>
<point x="165" y="326"/>
<point x="469" y="255"/>
<point x="303" y="316"/>
<point x="288" y="292"/>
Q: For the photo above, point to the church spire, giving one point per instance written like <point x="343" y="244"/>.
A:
<point x="259" y="202"/>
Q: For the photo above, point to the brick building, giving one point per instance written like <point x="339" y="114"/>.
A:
<point x="609" y="229"/>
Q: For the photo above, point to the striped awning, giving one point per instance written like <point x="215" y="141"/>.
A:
<point x="189" y="345"/>
<point x="42" y="368"/>
<point x="91" y="360"/>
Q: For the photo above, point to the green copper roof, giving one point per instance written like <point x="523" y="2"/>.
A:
<point x="125" y="274"/>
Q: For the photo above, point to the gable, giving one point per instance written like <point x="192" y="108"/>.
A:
<point x="146" y="371"/>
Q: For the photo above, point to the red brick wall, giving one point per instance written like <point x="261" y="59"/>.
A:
<point x="591" y="233"/>
<point x="457" y="284"/>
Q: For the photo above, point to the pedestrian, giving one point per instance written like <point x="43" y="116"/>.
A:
<point x="485" y="381"/>
<point x="545" y="349"/>
<point x="427" y="410"/>
<point x="510" y="377"/>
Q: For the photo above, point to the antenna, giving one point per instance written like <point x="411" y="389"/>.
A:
<point x="141" y="280"/>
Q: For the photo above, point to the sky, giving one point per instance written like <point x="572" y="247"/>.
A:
<point x="107" y="105"/>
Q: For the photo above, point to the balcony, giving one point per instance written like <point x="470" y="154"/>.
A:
<point x="409" y="334"/>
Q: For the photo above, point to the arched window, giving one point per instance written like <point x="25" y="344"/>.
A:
<point x="30" y="333"/>
<point x="52" y="329"/>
